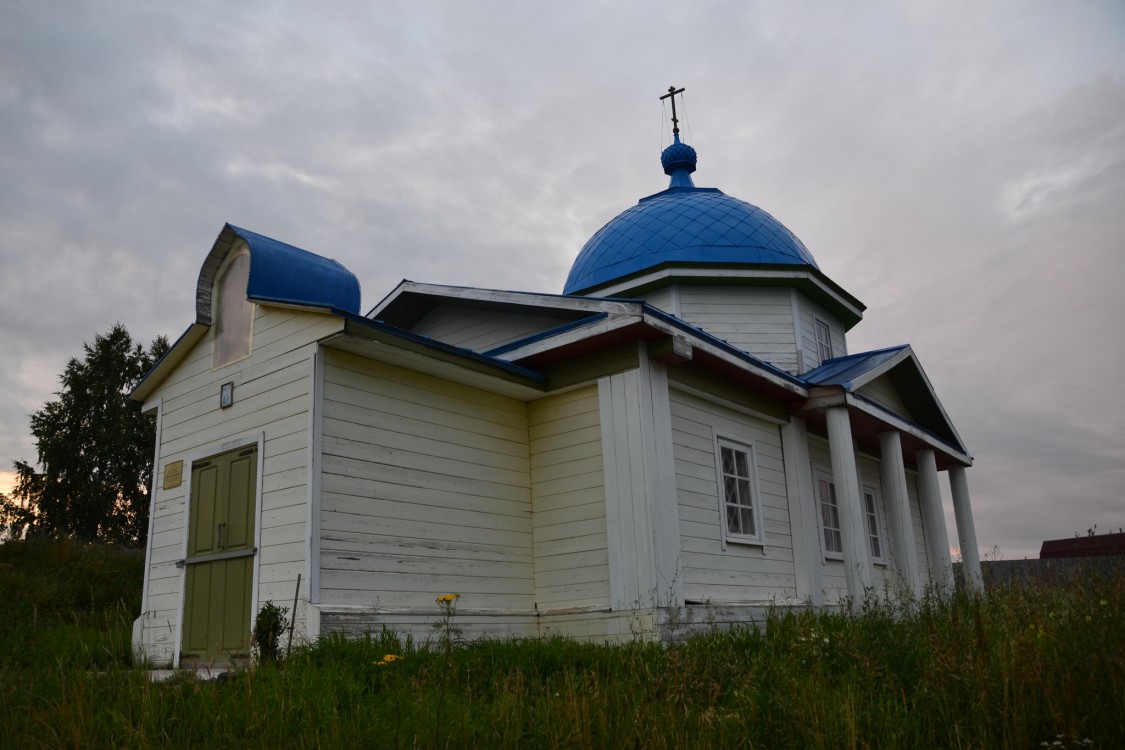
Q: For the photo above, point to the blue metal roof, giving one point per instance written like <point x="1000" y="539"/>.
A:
<point x="289" y="275"/>
<point x="843" y="370"/>
<point x="684" y="224"/>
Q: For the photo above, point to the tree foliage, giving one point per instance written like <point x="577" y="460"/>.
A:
<point x="94" y="451"/>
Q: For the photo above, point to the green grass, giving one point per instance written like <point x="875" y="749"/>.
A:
<point x="1011" y="671"/>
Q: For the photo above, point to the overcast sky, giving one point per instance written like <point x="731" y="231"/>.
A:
<point x="960" y="167"/>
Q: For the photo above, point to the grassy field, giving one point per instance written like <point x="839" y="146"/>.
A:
<point x="1027" y="665"/>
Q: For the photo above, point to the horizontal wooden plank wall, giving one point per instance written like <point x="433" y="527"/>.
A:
<point x="741" y="572"/>
<point x="481" y="330"/>
<point x="568" y="500"/>
<point x="758" y="320"/>
<point x="665" y="298"/>
<point x="271" y="395"/>
<point x="425" y="490"/>
<point x="883" y="392"/>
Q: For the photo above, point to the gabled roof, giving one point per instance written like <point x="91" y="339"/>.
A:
<point x="901" y="366"/>
<point x="864" y="367"/>
<point x="279" y="274"/>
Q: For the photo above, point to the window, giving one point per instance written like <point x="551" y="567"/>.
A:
<point x="234" y="313"/>
<point x="742" y="520"/>
<point x="874" y="528"/>
<point x="823" y="340"/>
<point x="829" y="518"/>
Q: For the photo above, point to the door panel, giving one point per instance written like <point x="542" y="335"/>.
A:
<point x="220" y="562"/>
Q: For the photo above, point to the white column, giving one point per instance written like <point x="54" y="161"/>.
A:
<point x="807" y="557"/>
<point x="893" y="474"/>
<point x="857" y="555"/>
<point x="933" y="519"/>
<point x="966" y="530"/>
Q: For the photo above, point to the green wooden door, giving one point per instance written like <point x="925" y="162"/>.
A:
<point x="220" y="561"/>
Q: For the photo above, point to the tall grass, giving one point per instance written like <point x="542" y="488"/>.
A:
<point x="1021" y="667"/>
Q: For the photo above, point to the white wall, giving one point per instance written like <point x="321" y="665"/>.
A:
<point x="568" y="499"/>
<point x="741" y="572"/>
<point x="425" y="490"/>
<point x="758" y="320"/>
<point x="882" y="391"/>
<point x="271" y="396"/>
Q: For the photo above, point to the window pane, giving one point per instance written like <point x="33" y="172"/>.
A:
<point x="872" y="521"/>
<point x="744" y="491"/>
<point x="733" y="525"/>
<point x="748" y="521"/>
<point x="837" y="544"/>
<point x="740" y="462"/>
<point x="829" y="516"/>
<point x="738" y="499"/>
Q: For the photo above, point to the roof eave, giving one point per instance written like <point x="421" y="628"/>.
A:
<point x="809" y="279"/>
<point x="167" y="363"/>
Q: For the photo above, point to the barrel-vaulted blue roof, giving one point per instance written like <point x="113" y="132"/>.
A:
<point x="279" y="273"/>
<point x="287" y="274"/>
<point x="684" y="225"/>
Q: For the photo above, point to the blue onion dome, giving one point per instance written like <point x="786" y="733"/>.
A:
<point x="686" y="226"/>
<point x="679" y="161"/>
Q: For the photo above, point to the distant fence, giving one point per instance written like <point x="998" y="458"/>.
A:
<point x="1060" y="570"/>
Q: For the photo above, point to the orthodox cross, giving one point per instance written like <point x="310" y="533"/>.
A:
<point x="672" y="91"/>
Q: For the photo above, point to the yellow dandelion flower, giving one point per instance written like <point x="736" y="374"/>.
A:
<point x="391" y="657"/>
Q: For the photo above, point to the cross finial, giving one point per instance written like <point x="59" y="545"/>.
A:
<point x="672" y="91"/>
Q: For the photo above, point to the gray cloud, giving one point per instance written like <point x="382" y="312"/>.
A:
<point x="960" y="169"/>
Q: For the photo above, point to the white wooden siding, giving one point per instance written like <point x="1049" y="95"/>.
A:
<point x="271" y="396"/>
<point x="758" y="320"/>
<point x="425" y="489"/>
<point x="741" y="572"/>
<point x="568" y="500"/>
<point x="664" y="298"/>
<point x="882" y="391"/>
<point x="481" y="330"/>
<point x="810" y="311"/>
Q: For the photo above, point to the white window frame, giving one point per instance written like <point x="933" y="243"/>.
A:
<point x="875" y="515"/>
<point x="822" y="475"/>
<point x="823" y="342"/>
<point x="751" y="484"/>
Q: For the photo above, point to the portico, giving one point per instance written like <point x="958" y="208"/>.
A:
<point x="843" y="409"/>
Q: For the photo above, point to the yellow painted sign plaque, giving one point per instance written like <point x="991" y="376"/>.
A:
<point x="173" y="474"/>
